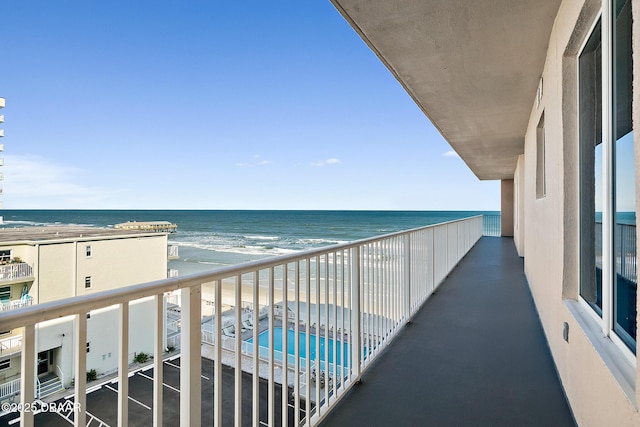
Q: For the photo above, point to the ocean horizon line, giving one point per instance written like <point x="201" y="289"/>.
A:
<point x="243" y="210"/>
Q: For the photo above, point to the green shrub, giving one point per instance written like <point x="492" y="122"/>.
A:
<point x="171" y="348"/>
<point x="92" y="375"/>
<point x="141" y="357"/>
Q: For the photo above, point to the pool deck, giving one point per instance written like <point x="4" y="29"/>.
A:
<point x="474" y="354"/>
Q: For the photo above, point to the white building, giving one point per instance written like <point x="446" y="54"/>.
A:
<point x="44" y="264"/>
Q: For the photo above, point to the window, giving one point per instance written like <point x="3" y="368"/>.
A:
<point x="541" y="183"/>
<point x="608" y="280"/>
<point x="87" y="282"/>
<point x="87" y="250"/>
<point x="5" y="364"/>
<point x="88" y="347"/>
<point x="5" y="256"/>
<point x="5" y="294"/>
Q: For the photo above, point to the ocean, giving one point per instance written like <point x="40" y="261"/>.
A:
<point x="214" y="238"/>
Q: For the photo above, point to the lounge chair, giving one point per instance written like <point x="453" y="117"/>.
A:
<point x="247" y="324"/>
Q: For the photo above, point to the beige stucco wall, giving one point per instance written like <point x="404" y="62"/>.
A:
<point x="506" y="207"/>
<point x="590" y="378"/>
<point x="61" y="267"/>
<point x="56" y="272"/>
<point x="121" y="262"/>
<point x="518" y="207"/>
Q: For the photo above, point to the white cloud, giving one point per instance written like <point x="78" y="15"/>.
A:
<point x="328" y="162"/>
<point x="450" y="153"/>
<point x="255" y="162"/>
<point x="31" y="182"/>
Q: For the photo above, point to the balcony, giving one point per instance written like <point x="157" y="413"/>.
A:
<point x="12" y="305"/>
<point x="475" y="354"/>
<point x="16" y="272"/>
<point x="475" y="348"/>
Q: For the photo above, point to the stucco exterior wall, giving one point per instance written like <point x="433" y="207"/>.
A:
<point x="121" y="262"/>
<point x="56" y="272"/>
<point x="506" y="207"/>
<point x="60" y="268"/>
<point x="593" y="376"/>
<point x="102" y="336"/>
<point x="519" y="219"/>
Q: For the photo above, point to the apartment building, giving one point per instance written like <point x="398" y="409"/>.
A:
<point x="44" y="264"/>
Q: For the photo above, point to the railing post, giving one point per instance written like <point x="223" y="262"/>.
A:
<point x="80" y="347"/>
<point x="28" y="363"/>
<point x="407" y="277"/>
<point x="190" y="363"/>
<point x="159" y="331"/>
<point x="123" y="365"/>
<point x="355" y="313"/>
<point x="217" y="372"/>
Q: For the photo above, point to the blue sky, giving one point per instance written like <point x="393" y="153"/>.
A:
<point x="213" y="105"/>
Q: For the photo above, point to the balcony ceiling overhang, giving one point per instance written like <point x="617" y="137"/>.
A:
<point x="472" y="66"/>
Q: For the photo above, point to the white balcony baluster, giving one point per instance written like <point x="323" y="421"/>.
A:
<point x="365" y="292"/>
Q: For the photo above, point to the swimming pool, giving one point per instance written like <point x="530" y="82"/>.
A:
<point x="263" y="341"/>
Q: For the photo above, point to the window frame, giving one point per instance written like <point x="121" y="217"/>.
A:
<point x="5" y="256"/>
<point x="607" y="321"/>
<point x="541" y="159"/>
<point x="8" y="365"/>
<point x="3" y="291"/>
<point x="87" y="282"/>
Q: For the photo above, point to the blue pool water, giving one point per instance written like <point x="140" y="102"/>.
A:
<point x="263" y="340"/>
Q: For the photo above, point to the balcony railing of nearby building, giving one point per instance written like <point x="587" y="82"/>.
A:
<point x="12" y="305"/>
<point x="9" y="388"/>
<point x="11" y="345"/>
<point x="491" y="225"/>
<point x="343" y="303"/>
<point x="15" y="271"/>
<point x="172" y="252"/>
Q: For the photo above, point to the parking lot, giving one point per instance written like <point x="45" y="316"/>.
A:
<point x="102" y="400"/>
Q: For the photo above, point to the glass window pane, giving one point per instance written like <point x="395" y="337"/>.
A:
<point x="624" y="243"/>
<point x="590" y="123"/>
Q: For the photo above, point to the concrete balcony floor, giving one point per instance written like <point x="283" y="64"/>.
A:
<point x="474" y="355"/>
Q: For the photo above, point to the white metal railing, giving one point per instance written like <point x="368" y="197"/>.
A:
<point x="349" y="300"/>
<point x="173" y="326"/>
<point x="60" y="374"/>
<point x="10" y="345"/>
<point x="12" y="305"/>
<point x="20" y="270"/>
<point x="172" y="251"/>
<point x="491" y="225"/>
<point x="173" y="341"/>
<point x="10" y="388"/>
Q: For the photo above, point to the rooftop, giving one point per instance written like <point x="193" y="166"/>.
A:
<point x="63" y="232"/>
